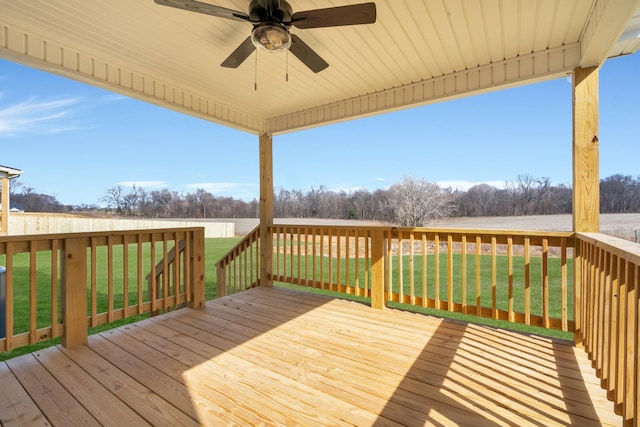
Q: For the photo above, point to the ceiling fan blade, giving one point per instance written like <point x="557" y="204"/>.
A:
<point x="241" y="53"/>
<point x="364" y="13"/>
<point x="206" y="8"/>
<point x="304" y="53"/>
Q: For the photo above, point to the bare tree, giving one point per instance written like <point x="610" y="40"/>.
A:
<point x="416" y="202"/>
<point x="114" y="198"/>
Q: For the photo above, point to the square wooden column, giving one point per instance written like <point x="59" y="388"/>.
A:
<point x="586" y="176"/>
<point x="586" y="173"/>
<point x="4" y="220"/>
<point x="73" y="292"/>
<point x="266" y="210"/>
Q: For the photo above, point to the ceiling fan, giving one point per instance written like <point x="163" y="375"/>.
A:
<point x="272" y="19"/>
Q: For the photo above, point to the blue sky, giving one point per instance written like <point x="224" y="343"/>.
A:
<point x="74" y="141"/>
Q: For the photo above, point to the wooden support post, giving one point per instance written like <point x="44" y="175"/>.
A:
<point x="266" y="210"/>
<point x="4" y="214"/>
<point x="377" y="269"/>
<point x="197" y="269"/>
<point x="586" y="176"/>
<point x="74" y="292"/>
<point x="586" y="179"/>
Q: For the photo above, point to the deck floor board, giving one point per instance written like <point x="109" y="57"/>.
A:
<point x="274" y="356"/>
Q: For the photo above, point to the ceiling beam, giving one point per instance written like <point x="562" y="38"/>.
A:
<point x="597" y="38"/>
<point x="537" y="66"/>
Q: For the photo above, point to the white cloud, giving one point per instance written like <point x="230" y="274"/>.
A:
<point x="237" y="190"/>
<point x="34" y="116"/>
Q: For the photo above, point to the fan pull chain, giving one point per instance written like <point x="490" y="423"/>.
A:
<point x="286" y="61"/>
<point x="255" y="77"/>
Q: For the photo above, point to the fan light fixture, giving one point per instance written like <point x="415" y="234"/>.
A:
<point x="272" y="20"/>
<point x="271" y="38"/>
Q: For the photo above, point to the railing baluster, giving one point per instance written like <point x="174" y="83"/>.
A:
<point x="611" y="321"/>
<point x="9" y="297"/>
<point x="510" y="278"/>
<point x="564" y="284"/>
<point x="463" y="257"/>
<point x="631" y="404"/>
<point x="139" y="265"/>
<point x="347" y="248"/>
<point x="450" y="302"/>
<point x="286" y="243"/>
<point x="55" y="327"/>
<point x="314" y="254"/>
<point x="356" y="265"/>
<point x="94" y="282"/>
<point x="600" y="304"/>
<point x="388" y="267"/>
<point x="306" y="256"/>
<point x="299" y="260"/>
<point x="494" y="282"/>
<point x="619" y="334"/>
<point x="436" y="269"/>
<point x="154" y="278"/>
<point x="425" y="296"/>
<point x="322" y="285"/>
<point x="33" y="294"/>
<point x="338" y="282"/>
<point x="367" y="264"/>
<point x="125" y="276"/>
<point x="330" y="258"/>
<point x="400" y="269"/>
<point x="110" y="278"/>
<point x="527" y="281"/>
<point x="412" y="290"/>
<point x="166" y="274"/>
<point x="545" y="282"/>
<point x="478" y="278"/>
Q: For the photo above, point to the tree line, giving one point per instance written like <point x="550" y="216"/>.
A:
<point x="410" y="202"/>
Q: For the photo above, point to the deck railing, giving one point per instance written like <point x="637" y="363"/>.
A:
<point x="608" y="321"/>
<point x="239" y="268"/>
<point x="520" y="277"/>
<point x="59" y="285"/>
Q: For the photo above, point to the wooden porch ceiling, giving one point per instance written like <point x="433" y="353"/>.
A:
<point x="417" y="52"/>
<point x="280" y="357"/>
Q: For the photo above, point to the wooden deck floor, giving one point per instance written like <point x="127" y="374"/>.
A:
<point x="281" y="357"/>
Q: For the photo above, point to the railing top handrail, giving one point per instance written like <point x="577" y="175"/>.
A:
<point x="61" y="236"/>
<point x="453" y="231"/>
<point x="255" y="230"/>
<point x="624" y="249"/>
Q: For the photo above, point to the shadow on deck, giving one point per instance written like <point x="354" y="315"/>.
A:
<point x="273" y="356"/>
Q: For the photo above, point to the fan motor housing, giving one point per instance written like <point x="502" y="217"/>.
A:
<point x="263" y="11"/>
